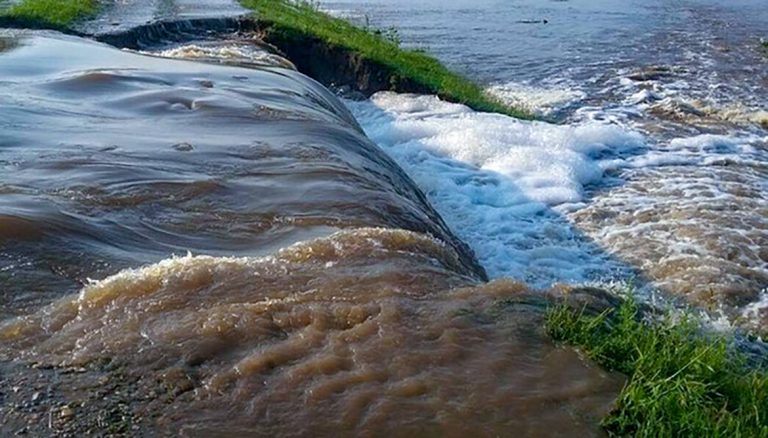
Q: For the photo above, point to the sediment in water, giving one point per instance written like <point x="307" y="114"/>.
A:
<point x="187" y="156"/>
<point x="367" y="331"/>
<point x="370" y="316"/>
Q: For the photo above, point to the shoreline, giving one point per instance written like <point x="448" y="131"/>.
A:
<point x="325" y="48"/>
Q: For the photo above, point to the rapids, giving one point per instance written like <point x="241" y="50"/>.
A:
<point x="112" y="159"/>
<point x="657" y="171"/>
<point x="327" y="296"/>
<point x="369" y="331"/>
<point x="197" y="239"/>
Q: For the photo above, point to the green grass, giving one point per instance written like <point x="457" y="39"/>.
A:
<point x="681" y="383"/>
<point x="58" y="14"/>
<point x="303" y="19"/>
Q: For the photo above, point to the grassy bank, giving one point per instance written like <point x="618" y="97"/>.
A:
<point x="373" y="56"/>
<point x="57" y="14"/>
<point x="680" y="383"/>
<point x="302" y="19"/>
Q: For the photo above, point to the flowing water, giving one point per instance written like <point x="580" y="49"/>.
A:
<point x="112" y="160"/>
<point x="215" y="244"/>
<point x="658" y="168"/>
<point x="322" y="295"/>
<point x="127" y="14"/>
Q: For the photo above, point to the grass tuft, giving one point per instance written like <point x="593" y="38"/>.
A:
<point x="681" y="383"/>
<point x="305" y="19"/>
<point x="57" y="14"/>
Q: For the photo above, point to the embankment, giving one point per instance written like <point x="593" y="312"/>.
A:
<point x="328" y="49"/>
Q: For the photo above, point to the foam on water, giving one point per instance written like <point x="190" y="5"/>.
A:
<point x="705" y="149"/>
<point x="544" y="101"/>
<point x="669" y="101"/>
<point x="501" y="183"/>
<point x="757" y="312"/>
<point x="591" y="201"/>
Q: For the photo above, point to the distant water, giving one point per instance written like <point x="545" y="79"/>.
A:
<point x="587" y="48"/>
<point x="658" y="169"/>
<point x="122" y="15"/>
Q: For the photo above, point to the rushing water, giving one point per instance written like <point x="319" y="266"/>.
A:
<point x="331" y="298"/>
<point x="112" y="160"/>
<point x="216" y="244"/>
<point x="658" y="170"/>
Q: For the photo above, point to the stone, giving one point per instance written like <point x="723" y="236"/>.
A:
<point x="66" y="412"/>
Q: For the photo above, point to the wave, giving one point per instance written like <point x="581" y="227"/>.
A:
<point x="368" y="330"/>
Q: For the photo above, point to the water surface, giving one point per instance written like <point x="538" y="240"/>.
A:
<point x="324" y="295"/>
<point x="659" y="169"/>
<point x="113" y="160"/>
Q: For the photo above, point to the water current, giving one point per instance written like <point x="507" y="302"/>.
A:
<point x="657" y="169"/>
<point x="202" y="239"/>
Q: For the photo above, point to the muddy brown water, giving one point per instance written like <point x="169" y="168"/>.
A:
<point x="323" y="295"/>
<point x="111" y="160"/>
<point x="368" y="332"/>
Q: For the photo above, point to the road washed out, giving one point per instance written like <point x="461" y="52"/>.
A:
<point x="323" y="292"/>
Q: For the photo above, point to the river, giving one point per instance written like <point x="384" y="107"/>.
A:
<point x="657" y="169"/>
<point x="202" y="249"/>
<point x="197" y="239"/>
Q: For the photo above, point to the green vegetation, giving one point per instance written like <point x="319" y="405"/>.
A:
<point x="681" y="383"/>
<point x="303" y="18"/>
<point x="52" y="13"/>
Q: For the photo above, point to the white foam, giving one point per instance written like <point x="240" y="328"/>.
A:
<point x="709" y="143"/>
<point x="643" y="96"/>
<point x="757" y="310"/>
<point x="537" y="99"/>
<point x="502" y="183"/>
<point x="515" y="191"/>
<point x="701" y="150"/>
